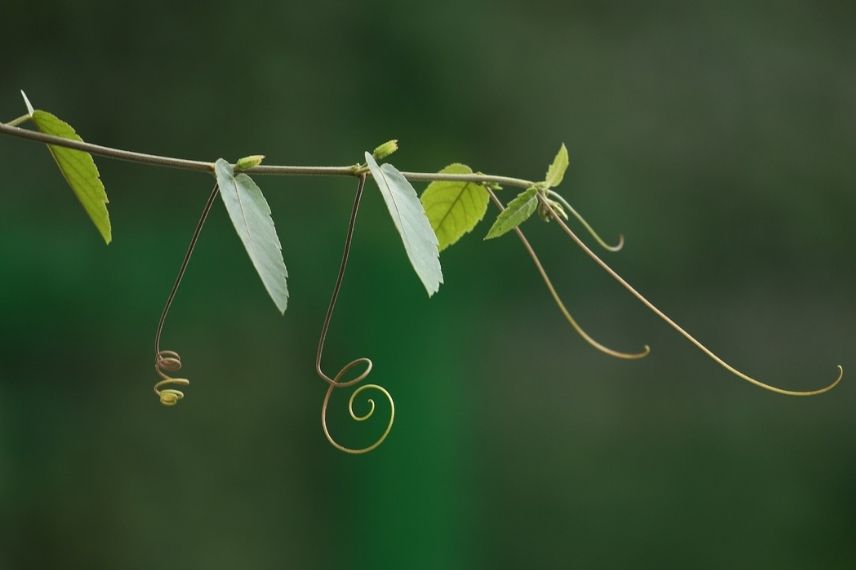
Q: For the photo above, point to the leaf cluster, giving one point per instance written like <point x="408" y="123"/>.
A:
<point x="445" y="212"/>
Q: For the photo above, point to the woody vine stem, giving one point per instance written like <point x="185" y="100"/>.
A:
<point x="251" y="216"/>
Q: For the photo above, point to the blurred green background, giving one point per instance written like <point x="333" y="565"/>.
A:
<point x="718" y="136"/>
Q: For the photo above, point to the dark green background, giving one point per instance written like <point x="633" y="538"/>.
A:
<point x="719" y="137"/>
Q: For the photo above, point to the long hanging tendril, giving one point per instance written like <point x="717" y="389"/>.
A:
<point x="571" y="321"/>
<point x="337" y="381"/>
<point x="675" y="325"/>
<point x="167" y="361"/>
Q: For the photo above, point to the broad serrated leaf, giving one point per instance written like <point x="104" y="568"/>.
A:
<point x="515" y="213"/>
<point x="250" y="214"/>
<point x="557" y="169"/>
<point x="407" y="213"/>
<point x="454" y="208"/>
<point x="79" y="170"/>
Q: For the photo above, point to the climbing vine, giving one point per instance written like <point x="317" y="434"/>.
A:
<point x="451" y="206"/>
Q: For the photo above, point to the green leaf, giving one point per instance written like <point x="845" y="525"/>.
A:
<point x="407" y="213"/>
<point x="515" y="213"/>
<point x="557" y="169"/>
<point x="79" y="170"/>
<point x="250" y="214"/>
<point x="454" y="208"/>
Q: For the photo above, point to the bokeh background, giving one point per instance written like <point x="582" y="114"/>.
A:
<point x="718" y="136"/>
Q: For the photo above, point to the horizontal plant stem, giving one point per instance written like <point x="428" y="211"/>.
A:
<point x="203" y="166"/>
<point x="107" y="151"/>
<point x="478" y="178"/>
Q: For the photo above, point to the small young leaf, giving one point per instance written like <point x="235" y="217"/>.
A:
<point x="250" y="214"/>
<point x="557" y="169"/>
<point x="515" y="213"/>
<point x="79" y="170"/>
<point x="407" y="213"/>
<point x="454" y="208"/>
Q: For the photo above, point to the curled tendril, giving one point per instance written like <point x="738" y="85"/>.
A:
<point x="709" y="353"/>
<point x="585" y="224"/>
<point x="167" y="361"/>
<point x="568" y="317"/>
<point x="337" y="380"/>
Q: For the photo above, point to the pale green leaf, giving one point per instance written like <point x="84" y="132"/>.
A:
<point x="515" y="213"/>
<point x="79" y="170"/>
<point x="557" y="169"/>
<point x="454" y="208"/>
<point x="407" y="213"/>
<point x="250" y="214"/>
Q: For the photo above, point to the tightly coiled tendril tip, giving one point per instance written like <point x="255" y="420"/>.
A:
<point x="169" y="361"/>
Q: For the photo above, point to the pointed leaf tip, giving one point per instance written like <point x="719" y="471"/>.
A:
<point x="29" y="105"/>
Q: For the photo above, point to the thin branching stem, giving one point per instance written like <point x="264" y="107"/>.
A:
<point x="559" y="303"/>
<point x="677" y="327"/>
<point x="359" y="172"/>
<point x="205" y="166"/>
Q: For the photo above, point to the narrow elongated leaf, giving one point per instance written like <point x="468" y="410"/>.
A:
<point x="454" y="208"/>
<point x="407" y="213"/>
<point x="250" y="214"/>
<point x="79" y="170"/>
<point x="557" y="169"/>
<point x="515" y="213"/>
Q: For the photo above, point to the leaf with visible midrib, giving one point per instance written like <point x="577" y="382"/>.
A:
<point x="79" y="170"/>
<point x="515" y="213"/>
<point x="250" y="214"/>
<point x="454" y="208"/>
<point x="407" y="213"/>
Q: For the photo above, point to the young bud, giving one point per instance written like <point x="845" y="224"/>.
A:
<point x="385" y="149"/>
<point x="249" y="162"/>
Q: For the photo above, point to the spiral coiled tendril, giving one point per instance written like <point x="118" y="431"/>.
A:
<point x="167" y="361"/>
<point x="337" y="380"/>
